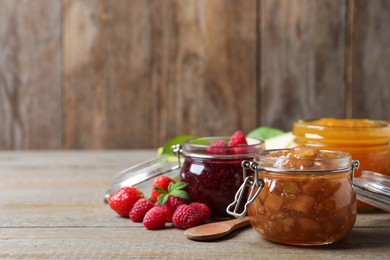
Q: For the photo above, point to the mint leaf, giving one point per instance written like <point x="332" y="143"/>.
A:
<point x="180" y="194"/>
<point x="265" y="132"/>
<point x="162" y="198"/>
<point x="177" y="186"/>
<point x="159" y="190"/>
<point x="176" y="190"/>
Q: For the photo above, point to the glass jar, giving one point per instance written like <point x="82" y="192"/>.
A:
<point x="366" y="140"/>
<point x="215" y="175"/>
<point x="299" y="200"/>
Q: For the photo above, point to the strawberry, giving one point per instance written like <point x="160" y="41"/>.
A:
<point x="218" y="147"/>
<point x="123" y="200"/>
<point x="185" y="217"/>
<point x="140" y="208"/>
<point x="161" y="182"/>
<point x="203" y="211"/>
<point x="155" y="218"/>
<point x="237" y="138"/>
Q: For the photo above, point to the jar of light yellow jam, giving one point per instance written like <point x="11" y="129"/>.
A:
<point x="366" y="140"/>
<point x="299" y="196"/>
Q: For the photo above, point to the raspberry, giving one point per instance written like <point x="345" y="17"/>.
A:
<point x="155" y="218"/>
<point x="203" y="211"/>
<point x="123" y="200"/>
<point x="237" y="138"/>
<point x="140" y="208"/>
<point x="218" y="147"/>
<point x="161" y="182"/>
<point x="241" y="149"/>
<point x="185" y="217"/>
<point x="171" y="205"/>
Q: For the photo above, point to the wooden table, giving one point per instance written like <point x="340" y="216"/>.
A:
<point x="51" y="206"/>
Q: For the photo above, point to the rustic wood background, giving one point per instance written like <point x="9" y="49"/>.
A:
<point x="96" y="74"/>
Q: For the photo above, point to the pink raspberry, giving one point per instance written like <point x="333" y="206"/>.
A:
<point x="237" y="138"/>
<point x="171" y="205"/>
<point x="203" y="211"/>
<point x="185" y="217"/>
<point x="140" y="208"/>
<point x="155" y="218"/>
<point x="241" y="149"/>
<point x="218" y="147"/>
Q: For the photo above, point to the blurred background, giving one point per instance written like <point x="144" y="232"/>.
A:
<point x="97" y="74"/>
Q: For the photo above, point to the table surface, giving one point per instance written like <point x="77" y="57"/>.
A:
<point x="51" y="207"/>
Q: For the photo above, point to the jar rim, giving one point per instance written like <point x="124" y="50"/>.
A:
<point x="342" y="163"/>
<point x="340" y="131"/>
<point x="355" y="124"/>
<point x="197" y="147"/>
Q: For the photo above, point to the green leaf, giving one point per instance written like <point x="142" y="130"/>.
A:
<point x="264" y="132"/>
<point x="162" y="198"/>
<point x="177" y="186"/>
<point x="159" y="190"/>
<point x="177" y="140"/>
<point x="180" y="194"/>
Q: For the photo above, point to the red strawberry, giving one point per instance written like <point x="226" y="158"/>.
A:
<point x="140" y="208"/>
<point x="218" y="147"/>
<point x="185" y="217"/>
<point x="155" y="218"/>
<point x="171" y="205"/>
<point x="123" y="200"/>
<point x="161" y="182"/>
<point x="203" y="211"/>
<point x="237" y="138"/>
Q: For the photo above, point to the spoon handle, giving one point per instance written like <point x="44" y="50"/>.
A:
<point x="240" y="223"/>
<point x="215" y="230"/>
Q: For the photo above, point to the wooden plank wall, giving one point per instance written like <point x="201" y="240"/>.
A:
<point x="96" y="74"/>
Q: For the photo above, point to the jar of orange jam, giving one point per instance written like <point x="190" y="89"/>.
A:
<point x="366" y="140"/>
<point x="299" y="196"/>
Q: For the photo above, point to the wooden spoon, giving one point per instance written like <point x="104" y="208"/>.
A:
<point x="215" y="230"/>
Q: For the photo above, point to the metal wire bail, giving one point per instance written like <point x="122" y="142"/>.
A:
<point x="354" y="167"/>
<point x="251" y="183"/>
<point x="177" y="150"/>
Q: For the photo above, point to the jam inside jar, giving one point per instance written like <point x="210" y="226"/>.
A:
<point x="304" y="197"/>
<point x="214" y="173"/>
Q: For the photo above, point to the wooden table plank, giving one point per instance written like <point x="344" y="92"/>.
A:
<point x="105" y="242"/>
<point x="51" y="206"/>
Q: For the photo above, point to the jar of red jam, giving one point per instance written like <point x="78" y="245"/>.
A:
<point x="299" y="196"/>
<point x="214" y="172"/>
<point x="366" y="140"/>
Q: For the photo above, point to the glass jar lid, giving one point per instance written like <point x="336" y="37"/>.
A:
<point x="139" y="175"/>
<point x="374" y="189"/>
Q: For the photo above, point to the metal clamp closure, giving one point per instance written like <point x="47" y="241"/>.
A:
<point x="354" y="167"/>
<point x="252" y="186"/>
<point x="178" y="151"/>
